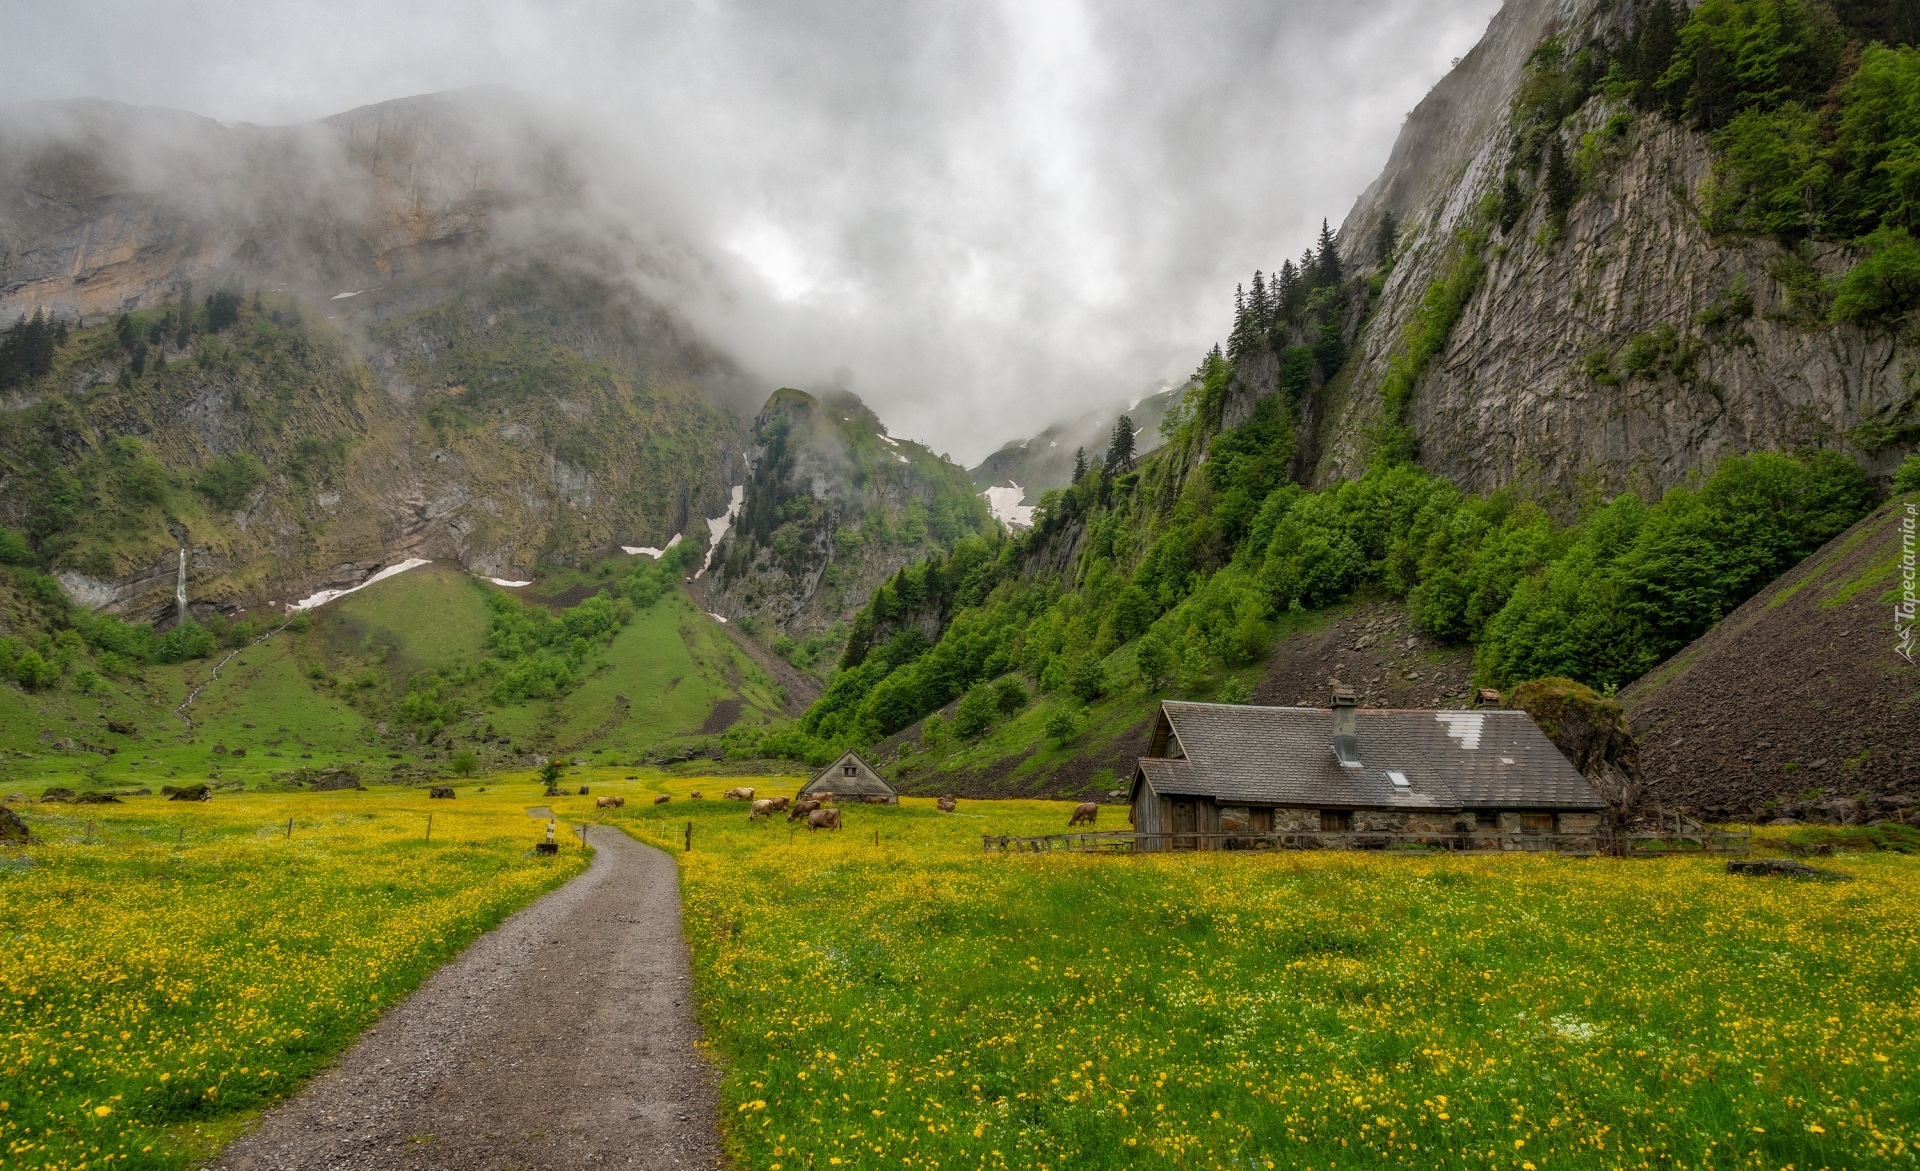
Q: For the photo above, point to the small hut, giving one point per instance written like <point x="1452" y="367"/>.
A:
<point x="852" y="778"/>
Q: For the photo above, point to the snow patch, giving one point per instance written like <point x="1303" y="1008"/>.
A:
<point x="903" y="459"/>
<point x="649" y="550"/>
<point x="344" y="296"/>
<point x="501" y="581"/>
<point x="718" y="526"/>
<point x="716" y="618"/>
<point x="1005" y="505"/>
<point x="888" y="440"/>
<point x="324" y="596"/>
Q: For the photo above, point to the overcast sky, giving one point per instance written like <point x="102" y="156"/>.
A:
<point x="982" y="217"/>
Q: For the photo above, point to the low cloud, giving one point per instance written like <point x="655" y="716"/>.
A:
<point x="981" y="218"/>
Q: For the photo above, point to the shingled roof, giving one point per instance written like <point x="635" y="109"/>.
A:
<point x="1240" y="754"/>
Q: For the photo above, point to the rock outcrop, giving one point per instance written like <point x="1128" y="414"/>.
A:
<point x="1591" y="731"/>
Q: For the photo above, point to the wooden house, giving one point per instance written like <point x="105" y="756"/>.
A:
<point x="851" y="778"/>
<point x="1217" y="773"/>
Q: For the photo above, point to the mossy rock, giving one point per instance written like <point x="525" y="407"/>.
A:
<point x="1590" y="730"/>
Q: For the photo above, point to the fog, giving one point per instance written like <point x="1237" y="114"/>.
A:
<point x="982" y="218"/>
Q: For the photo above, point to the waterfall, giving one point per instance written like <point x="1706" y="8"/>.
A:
<point x="180" y="589"/>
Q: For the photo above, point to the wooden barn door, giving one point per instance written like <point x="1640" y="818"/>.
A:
<point x="1186" y="815"/>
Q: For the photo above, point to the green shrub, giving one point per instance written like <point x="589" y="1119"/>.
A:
<point x="33" y="672"/>
<point x="1883" y="286"/>
<point x="1062" y="725"/>
<point x="187" y="640"/>
<point x="230" y="479"/>
<point x="976" y="712"/>
<point x="465" y="763"/>
<point x="1008" y="695"/>
<point x="1907" y="477"/>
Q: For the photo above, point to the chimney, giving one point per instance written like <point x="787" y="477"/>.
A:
<point x="1346" y="735"/>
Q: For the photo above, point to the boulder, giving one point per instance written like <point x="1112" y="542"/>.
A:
<point x="1591" y="731"/>
<point x="192" y="793"/>
<point x="119" y="728"/>
<point x="96" y="799"/>
<point x="57" y="794"/>
<point x="1779" y="868"/>
<point x="1838" y="811"/>
<point x="442" y="792"/>
<point x="13" y="830"/>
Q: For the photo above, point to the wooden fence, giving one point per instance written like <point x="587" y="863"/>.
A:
<point x="1603" y="842"/>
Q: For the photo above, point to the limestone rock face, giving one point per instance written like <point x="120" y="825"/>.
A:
<point x="1536" y="387"/>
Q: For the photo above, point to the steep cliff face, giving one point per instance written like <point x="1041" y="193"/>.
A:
<point x="834" y="507"/>
<point x="452" y="359"/>
<point x="1620" y="347"/>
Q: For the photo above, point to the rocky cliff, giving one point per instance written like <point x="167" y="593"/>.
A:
<point x="1616" y="346"/>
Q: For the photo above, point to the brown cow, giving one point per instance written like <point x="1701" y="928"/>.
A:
<point x="779" y="804"/>
<point x="662" y="799"/>
<point x="761" y="808"/>
<point x="801" y="808"/>
<point x="1083" y="814"/>
<point x="738" y="794"/>
<point x="609" y="802"/>
<point x="946" y="803"/>
<point x="695" y="794"/>
<point x="823" y="819"/>
<point x="825" y="798"/>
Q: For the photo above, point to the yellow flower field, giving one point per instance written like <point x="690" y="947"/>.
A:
<point x="168" y="973"/>
<point x="913" y="1003"/>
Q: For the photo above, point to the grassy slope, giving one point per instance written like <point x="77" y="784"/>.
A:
<point x="909" y="1001"/>
<point x="671" y="663"/>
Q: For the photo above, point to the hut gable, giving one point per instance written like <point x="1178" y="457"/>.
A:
<point x="1233" y="754"/>
<point x="851" y="776"/>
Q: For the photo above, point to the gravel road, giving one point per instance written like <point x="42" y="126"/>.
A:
<point x="563" y="1039"/>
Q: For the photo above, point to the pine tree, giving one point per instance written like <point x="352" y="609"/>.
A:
<point x="1120" y="448"/>
<point x="1513" y="203"/>
<point x="1386" y="237"/>
<point x="1257" y="303"/>
<point x="1561" y="186"/>
<point x="1287" y="292"/>
<point x="1714" y="91"/>
<point x="1079" y="464"/>
<point x="1327" y="259"/>
<point x="1653" y="45"/>
<point x="1237" y="340"/>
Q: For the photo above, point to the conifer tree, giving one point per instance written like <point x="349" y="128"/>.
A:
<point x="1079" y="464"/>
<point x="1257" y="302"/>
<point x="1386" y="237"/>
<point x="1652" y="47"/>
<point x="1513" y="203"/>
<point x="1561" y="186"/>
<point x="1327" y="259"/>
<point x="1237" y="340"/>
<point x="1120" y="448"/>
<point x="1286" y="294"/>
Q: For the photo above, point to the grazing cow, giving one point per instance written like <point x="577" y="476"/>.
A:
<point x="1083" y="814"/>
<point x="946" y="803"/>
<point x="738" y="794"/>
<point x="824" y="798"/>
<point x="823" y="819"/>
<point x="444" y="792"/>
<point x="662" y="799"/>
<point x="779" y="804"/>
<point x="802" y="807"/>
<point x="695" y="794"/>
<point x="609" y="802"/>
<point x="761" y="808"/>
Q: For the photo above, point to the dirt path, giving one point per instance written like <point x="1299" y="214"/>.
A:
<point x="564" y="1039"/>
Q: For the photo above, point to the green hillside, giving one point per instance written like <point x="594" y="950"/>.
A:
<point x="401" y="680"/>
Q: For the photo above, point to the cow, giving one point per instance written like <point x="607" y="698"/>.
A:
<point x="802" y="807"/>
<point x="609" y="802"/>
<point x="824" y="798"/>
<point x="946" y="803"/>
<point x="1083" y="814"/>
<point x="738" y="794"/>
<point x="823" y="819"/>
<point x="779" y="804"/>
<point x="695" y="794"/>
<point x="761" y="808"/>
<point x="662" y="799"/>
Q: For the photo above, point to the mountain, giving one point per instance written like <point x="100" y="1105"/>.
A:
<point x="1581" y="376"/>
<point x="1631" y="328"/>
<point x="301" y="353"/>
<point x="1045" y="461"/>
<point x="834" y="506"/>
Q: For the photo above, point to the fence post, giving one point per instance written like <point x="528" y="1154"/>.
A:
<point x="89" y="840"/>
<point x="689" y="837"/>
<point x="289" y="829"/>
<point x="429" y="827"/>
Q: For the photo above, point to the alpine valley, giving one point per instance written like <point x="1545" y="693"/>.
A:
<point x="377" y="448"/>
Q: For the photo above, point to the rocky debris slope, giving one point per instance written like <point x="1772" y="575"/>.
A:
<point x="1373" y="648"/>
<point x="1800" y="703"/>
